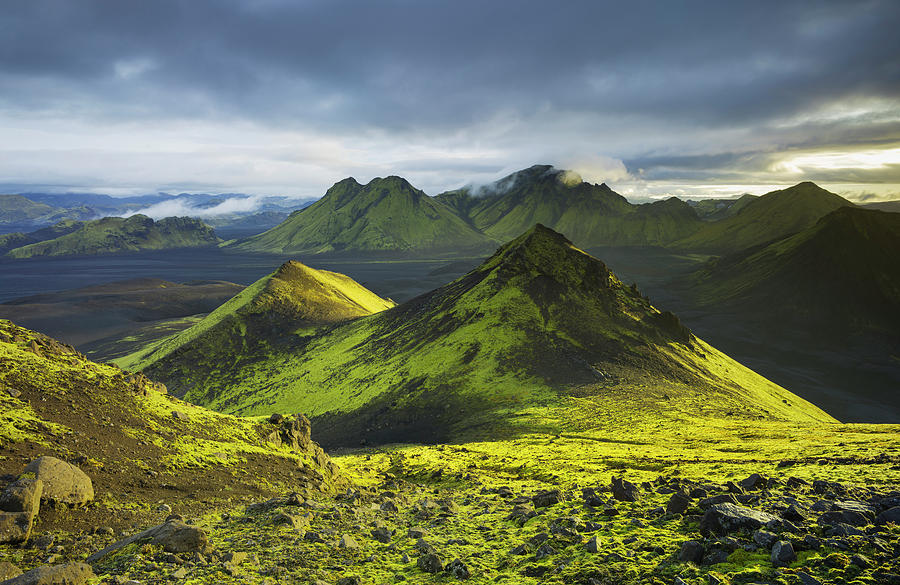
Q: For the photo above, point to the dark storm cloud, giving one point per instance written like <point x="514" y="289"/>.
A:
<point x="401" y="64"/>
<point x="523" y="76"/>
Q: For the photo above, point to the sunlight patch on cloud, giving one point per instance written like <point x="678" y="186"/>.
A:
<point x="862" y="159"/>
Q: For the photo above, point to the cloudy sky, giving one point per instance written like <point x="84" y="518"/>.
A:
<point x="287" y="97"/>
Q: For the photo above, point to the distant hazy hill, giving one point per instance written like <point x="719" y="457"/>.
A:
<point x="112" y="235"/>
<point x="386" y="214"/>
<point x="243" y="329"/>
<point x="17" y="212"/>
<point x="539" y="336"/>
<point x="891" y="206"/>
<point x="765" y="219"/>
<point x="591" y="215"/>
<point x="716" y="209"/>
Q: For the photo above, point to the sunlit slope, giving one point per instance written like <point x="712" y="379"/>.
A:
<point x="539" y="329"/>
<point x="293" y="296"/>
<point x="387" y="214"/>
<point x="590" y="215"/>
<point x="765" y="219"/>
<point x="112" y="235"/>
<point x="838" y="277"/>
<point x="120" y="428"/>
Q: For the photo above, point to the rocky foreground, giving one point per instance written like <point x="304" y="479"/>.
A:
<point x="421" y="525"/>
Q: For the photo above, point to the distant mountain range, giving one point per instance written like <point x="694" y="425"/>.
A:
<point x="527" y="340"/>
<point x="110" y="235"/>
<point x="237" y="215"/>
<point x="390" y="215"/>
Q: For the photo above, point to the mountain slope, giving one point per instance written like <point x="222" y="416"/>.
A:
<point x="258" y="318"/>
<point x="590" y="215"/>
<point x="121" y="430"/>
<point x="541" y="335"/>
<point x="386" y="214"/>
<point x="765" y="219"/>
<point x="838" y="278"/>
<point x="112" y="235"/>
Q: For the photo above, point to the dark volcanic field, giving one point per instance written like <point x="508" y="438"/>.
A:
<point x="400" y="279"/>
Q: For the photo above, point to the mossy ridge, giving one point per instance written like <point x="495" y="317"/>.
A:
<point x="112" y="235"/>
<point x="386" y="214"/>
<point x="539" y="329"/>
<point x="120" y="428"/>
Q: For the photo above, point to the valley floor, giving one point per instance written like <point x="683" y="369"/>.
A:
<point x="539" y="509"/>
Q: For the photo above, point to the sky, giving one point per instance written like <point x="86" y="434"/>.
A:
<point x="277" y="97"/>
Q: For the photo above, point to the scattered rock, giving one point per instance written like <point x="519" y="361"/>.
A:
<point x="624" y="491"/>
<point x="691" y="552"/>
<point x="178" y="415"/>
<point x="754" y="482"/>
<point x="174" y="536"/>
<point x="458" y="569"/>
<point x="68" y="574"/>
<point x="382" y="534"/>
<point x="416" y="532"/>
<point x="22" y="495"/>
<point x="764" y="538"/>
<point x="430" y="563"/>
<point x="348" y="542"/>
<point x="678" y="503"/>
<point x="782" y="553"/>
<point x="725" y="518"/>
<point x="546" y="498"/>
<point x="891" y="515"/>
<point x="8" y="570"/>
<point x="62" y="482"/>
<point x="592" y="545"/>
<point x="794" y="514"/>
<point x="720" y="499"/>
<point x="15" y="526"/>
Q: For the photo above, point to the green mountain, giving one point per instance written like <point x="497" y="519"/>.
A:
<point x="387" y="214"/>
<point x="591" y="215"/>
<point x="112" y="235"/>
<point x="541" y="335"/>
<point x="837" y="278"/>
<point x="765" y="219"/>
<point x="257" y="320"/>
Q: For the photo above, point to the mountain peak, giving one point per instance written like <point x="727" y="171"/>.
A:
<point x="543" y="252"/>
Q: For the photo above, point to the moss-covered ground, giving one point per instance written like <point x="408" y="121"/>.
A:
<point x="461" y="499"/>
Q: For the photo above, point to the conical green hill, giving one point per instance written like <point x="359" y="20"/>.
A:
<point x="293" y="297"/>
<point x="540" y="336"/>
